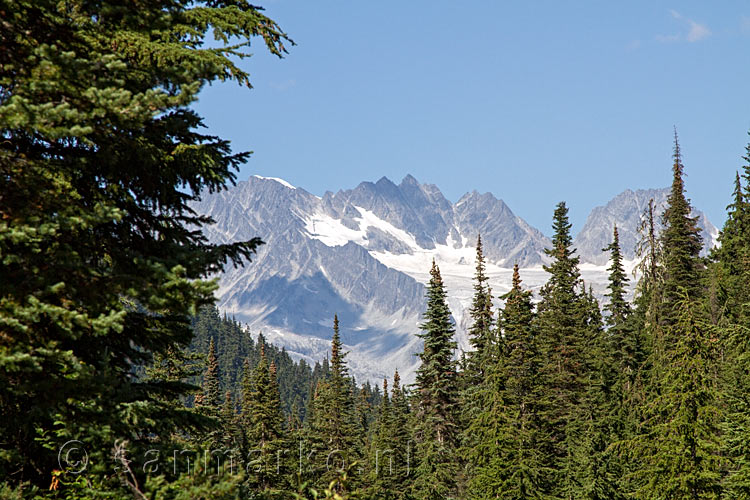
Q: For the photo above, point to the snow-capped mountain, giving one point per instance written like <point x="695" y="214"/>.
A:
<point x="365" y="253"/>
<point x="626" y="210"/>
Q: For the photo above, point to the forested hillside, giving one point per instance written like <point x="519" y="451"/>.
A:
<point x="561" y="396"/>
<point x="119" y="378"/>
<point x="236" y="350"/>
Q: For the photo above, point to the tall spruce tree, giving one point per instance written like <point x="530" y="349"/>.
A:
<point x="435" y="399"/>
<point x="651" y="268"/>
<point x="647" y="303"/>
<point x="264" y="432"/>
<point x="103" y="259"/>
<point x="563" y="332"/>
<point x="511" y="453"/>
<point x="618" y="307"/>
<point x="622" y="359"/>
<point x="679" y="444"/>
<point x="625" y="345"/>
<point x="732" y="264"/>
<point x="736" y="428"/>
<point x="211" y="394"/>
<point x="599" y="469"/>
<point x="174" y="367"/>
<point x="732" y="256"/>
<point x="334" y="424"/>
<point x="681" y="243"/>
<point x="477" y="362"/>
<point x="403" y="461"/>
<point x="384" y="480"/>
<point x="481" y="332"/>
<point x="229" y="430"/>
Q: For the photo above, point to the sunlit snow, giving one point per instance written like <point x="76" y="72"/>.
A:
<point x="280" y="181"/>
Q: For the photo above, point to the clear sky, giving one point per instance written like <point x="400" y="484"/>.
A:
<point x="536" y="101"/>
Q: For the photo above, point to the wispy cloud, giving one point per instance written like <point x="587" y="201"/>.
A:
<point x="745" y="23"/>
<point x="697" y="32"/>
<point x="692" y="31"/>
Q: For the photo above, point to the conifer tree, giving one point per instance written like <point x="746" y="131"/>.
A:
<point x="510" y="455"/>
<point x="617" y="307"/>
<point x="732" y="263"/>
<point x="622" y="358"/>
<point x="435" y="400"/>
<point x="647" y="304"/>
<point x="624" y="343"/>
<point x="599" y="469"/>
<point x="229" y="422"/>
<point x="563" y="331"/>
<point x="679" y="443"/>
<point x="174" y="367"/>
<point x="264" y="433"/>
<point x="481" y="329"/>
<point x="477" y="362"/>
<point x="334" y="423"/>
<point x="383" y="444"/>
<point x="649" y="289"/>
<point x="211" y="395"/>
<point x="246" y="391"/>
<point x="732" y="256"/>
<point x="104" y="260"/>
<point x="342" y="425"/>
<point x="681" y="242"/>
<point x="401" y="435"/>
<point x="737" y="422"/>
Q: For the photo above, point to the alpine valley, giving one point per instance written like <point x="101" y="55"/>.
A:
<point x="365" y="253"/>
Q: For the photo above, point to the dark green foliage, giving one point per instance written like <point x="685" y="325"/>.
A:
<point x="600" y="469"/>
<point x="263" y="425"/>
<point x="435" y="399"/>
<point x="737" y="422"/>
<point x="174" y="368"/>
<point x="617" y="307"/>
<point x="731" y="260"/>
<point x="681" y="242"/>
<point x="731" y="266"/>
<point x="621" y="357"/>
<point x="383" y="479"/>
<point x="478" y="361"/>
<point x="563" y="334"/>
<point x="679" y="443"/>
<point x="103" y="261"/>
<point x="105" y="308"/>
<point x="510" y="449"/>
<point x="210" y="397"/>
<point x="481" y="334"/>
<point x="624" y="343"/>
<point x="235" y="346"/>
<point x="649" y="288"/>
<point x="401" y="445"/>
<point x="333" y="424"/>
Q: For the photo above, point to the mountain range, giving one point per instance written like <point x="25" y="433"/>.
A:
<point x="365" y="254"/>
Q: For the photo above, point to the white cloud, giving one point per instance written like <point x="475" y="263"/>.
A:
<point x="695" y="31"/>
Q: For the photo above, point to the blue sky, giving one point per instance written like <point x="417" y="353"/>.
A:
<point x="535" y="102"/>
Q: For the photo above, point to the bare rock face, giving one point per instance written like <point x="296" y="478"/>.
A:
<point x="626" y="210"/>
<point x="364" y="254"/>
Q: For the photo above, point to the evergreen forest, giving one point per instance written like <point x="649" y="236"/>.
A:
<point x="119" y="377"/>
